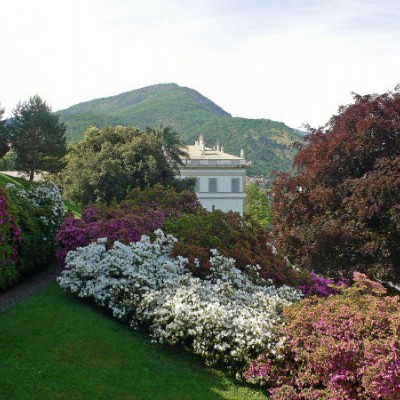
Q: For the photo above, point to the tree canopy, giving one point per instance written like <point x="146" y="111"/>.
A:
<point x="172" y="144"/>
<point x="258" y="204"/>
<point x="111" y="161"/>
<point x="339" y="210"/>
<point x="37" y="137"/>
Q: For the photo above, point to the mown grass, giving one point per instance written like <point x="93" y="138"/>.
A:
<point x="53" y="346"/>
<point x="25" y="184"/>
<point x="20" y="182"/>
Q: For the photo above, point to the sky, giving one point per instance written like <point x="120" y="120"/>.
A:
<point x="294" y="61"/>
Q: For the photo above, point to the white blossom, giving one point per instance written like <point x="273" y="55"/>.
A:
<point x="229" y="317"/>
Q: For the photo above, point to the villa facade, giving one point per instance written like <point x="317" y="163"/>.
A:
<point x="220" y="177"/>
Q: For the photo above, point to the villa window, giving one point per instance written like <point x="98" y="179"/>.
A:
<point x="212" y="185"/>
<point x="235" y="184"/>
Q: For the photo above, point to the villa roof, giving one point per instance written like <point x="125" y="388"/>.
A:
<point x="196" y="153"/>
<point x="201" y="156"/>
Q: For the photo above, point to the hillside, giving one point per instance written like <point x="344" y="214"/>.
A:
<point x="266" y="143"/>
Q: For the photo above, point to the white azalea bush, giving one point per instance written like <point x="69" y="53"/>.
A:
<point x="32" y="218"/>
<point x="228" y="318"/>
<point x="48" y="204"/>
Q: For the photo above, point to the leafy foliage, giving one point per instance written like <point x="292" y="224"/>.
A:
<point x="245" y="241"/>
<point x="258" y="204"/>
<point x="7" y="163"/>
<point x="110" y="161"/>
<point x="172" y="144"/>
<point x="166" y="199"/>
<point x="37" y="137"/>
<point x="266" y="143"/>
<point x="342" y="347"/>
<point x="29" y="222"/>
<point x="340" y="210"/>
<point x="10" y="235"/>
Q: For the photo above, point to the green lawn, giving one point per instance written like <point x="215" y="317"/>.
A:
<point x="54" y="346"/>
<point x="23" y="183"/>
<point x="20" y="182"/>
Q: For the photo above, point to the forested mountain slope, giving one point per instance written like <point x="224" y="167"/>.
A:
<point x="266" y="143"/>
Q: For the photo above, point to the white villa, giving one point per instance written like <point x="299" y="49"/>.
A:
<point x="221" y="177"/>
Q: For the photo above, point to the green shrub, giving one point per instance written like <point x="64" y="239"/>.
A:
<point x="10" y="235"/>
<point x="28" y="229"/>
<point x="244" y="240"/>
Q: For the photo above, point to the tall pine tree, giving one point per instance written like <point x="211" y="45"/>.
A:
<point x="37" y="137"/>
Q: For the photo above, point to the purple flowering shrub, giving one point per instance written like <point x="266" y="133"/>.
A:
<point x="10" y="236"/>
<point x="124" y="224"/>
<point x="345" y="346"/>
<point x="142" y="212"/>
<point x="322" y="287"/>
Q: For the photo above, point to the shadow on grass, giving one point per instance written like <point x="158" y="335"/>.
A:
<point x="53" y="346"/>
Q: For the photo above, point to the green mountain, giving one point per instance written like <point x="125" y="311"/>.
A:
<point x="266" y="143"/>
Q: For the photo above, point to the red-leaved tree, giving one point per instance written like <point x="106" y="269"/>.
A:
<point x="339" y="209"/>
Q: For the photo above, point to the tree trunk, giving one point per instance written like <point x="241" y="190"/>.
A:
<point x="32" y="174"/>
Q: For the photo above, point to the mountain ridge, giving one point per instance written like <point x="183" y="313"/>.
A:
<point x="266" y="142"/>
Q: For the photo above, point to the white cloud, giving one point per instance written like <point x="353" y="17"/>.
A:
<point x="290" y="61"/>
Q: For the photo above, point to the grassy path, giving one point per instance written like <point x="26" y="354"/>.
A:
<point x="52" y="346"/>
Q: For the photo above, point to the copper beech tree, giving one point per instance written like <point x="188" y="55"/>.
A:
<point x="339" y="209"/>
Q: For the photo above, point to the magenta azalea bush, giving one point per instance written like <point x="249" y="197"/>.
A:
<point x="322" y="287"/>
<point x="142" y="212"/>
<point x="343" y="347"/>
<point x="126" y="225"/>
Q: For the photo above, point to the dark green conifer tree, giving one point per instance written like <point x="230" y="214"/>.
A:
<point x="37" y="137"/>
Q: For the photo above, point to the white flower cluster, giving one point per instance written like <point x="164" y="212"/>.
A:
<point x="229" y="317"/>
<point x="48" y="197"/>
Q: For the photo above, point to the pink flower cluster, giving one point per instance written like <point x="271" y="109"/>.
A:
<point x="125" y="224"/>
<point x="323" y="287"/>
<point x="343" y="347"/>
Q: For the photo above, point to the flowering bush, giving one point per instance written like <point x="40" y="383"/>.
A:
<point x="245" y="241"/>
<point x="48" y="204"/>
<point x="229" y="317"/>
<point x="38" y="215"/>
<point x="322" y="287"/>
<point x="124" y="223"/>
<point x="10" y="236"/>
<point x="343" y="347"/>
<point x="143" y="211"/>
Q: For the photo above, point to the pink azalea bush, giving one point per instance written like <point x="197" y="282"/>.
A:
<point x="343" y="347"/>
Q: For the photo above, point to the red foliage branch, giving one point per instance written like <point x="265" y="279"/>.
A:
<point x="339" y="210"/>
